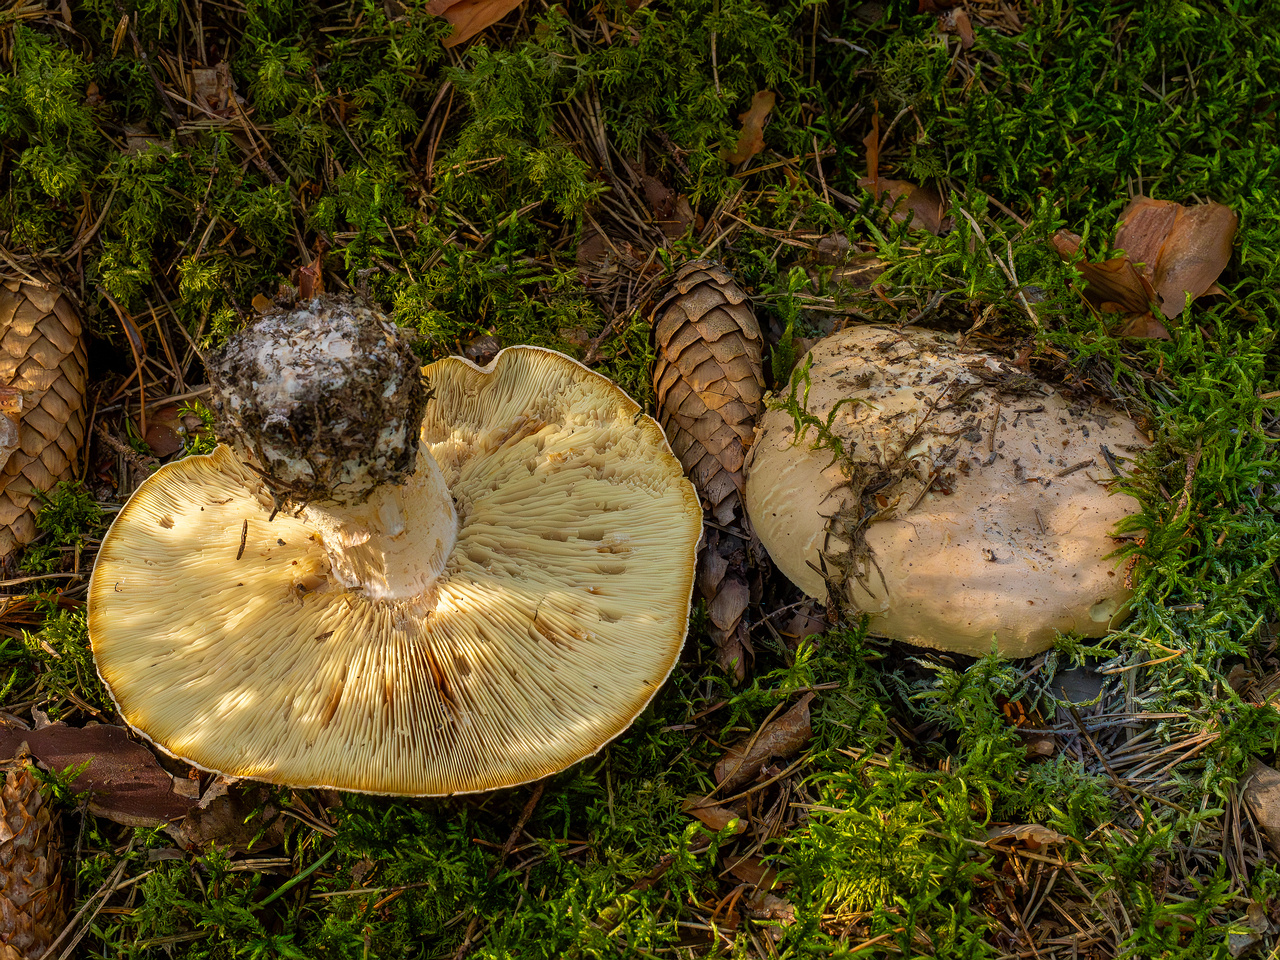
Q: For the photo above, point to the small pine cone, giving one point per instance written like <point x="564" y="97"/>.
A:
<point x="43" y="371"/>
<point x="31" y="914"/>
<point x="709" y="382"/>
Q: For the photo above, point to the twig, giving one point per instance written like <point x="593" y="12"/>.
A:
<point x="102" y="895"/>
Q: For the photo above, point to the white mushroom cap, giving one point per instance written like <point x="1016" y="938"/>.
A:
<point x="560" y="607"/>
<point x="1011" y="537"/>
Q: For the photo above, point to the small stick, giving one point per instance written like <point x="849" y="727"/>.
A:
<point x="1074" y="467"/>
<point x="244" y="536"/>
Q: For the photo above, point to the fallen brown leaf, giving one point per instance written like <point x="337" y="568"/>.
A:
<point x="592" y="248"/>
<point x="1144" y="225"/>
<point x="809" y="620"/>
<point x="469" y="17"/>
<point x="1170" y="253"/>
<point x="1258" y="925"/>
<point x="908" y="203"/>
<point x="751" y="870"/>
<point x="124" y="781"/>
<point x="770" y="907"/>
<point x="480" y="350"/>
<point x="671" y="211"/>
<point x="1143" y="326"/>
<point x="782" y="737"/>
<point x="310" y="280"/>
<point x="242" y="817"/>
<point x="1113" y="286"/>
<point x="164" y="430"/>
<point x="1028" y="836"/>
<point x="751" y="139"/>
<point x="1260" y="789"/>
<point x="1194" y="255"/>
<point x="714" y="816"/>
<point x="957" y="22"/>
<point x="214" y="89"/>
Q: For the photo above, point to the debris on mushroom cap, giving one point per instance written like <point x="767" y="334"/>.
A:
<point x="327" y="415"/>
<point x="227" y="638"/>
<point x="976" y="499"/>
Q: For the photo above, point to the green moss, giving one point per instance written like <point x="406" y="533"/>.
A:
<point x="452" y="186"/>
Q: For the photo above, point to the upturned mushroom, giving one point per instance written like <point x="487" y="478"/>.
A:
<point x="936" y="488"/>
<point x="397" y="580"/>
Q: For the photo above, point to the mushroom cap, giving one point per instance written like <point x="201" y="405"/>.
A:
<point x="559" y="612"/>
<point x="1011" y="537"/>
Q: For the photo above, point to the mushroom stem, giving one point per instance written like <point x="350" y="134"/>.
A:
<point x="327" y="400"/>
<point x="392" y="545"/>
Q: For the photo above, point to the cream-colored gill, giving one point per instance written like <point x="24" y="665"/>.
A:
<point x="227" y="637"/>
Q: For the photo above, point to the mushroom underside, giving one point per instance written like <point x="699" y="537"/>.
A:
<point x="558" y="614"/>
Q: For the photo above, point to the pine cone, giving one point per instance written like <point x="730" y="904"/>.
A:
<point x="31" y="913"/>
<point x="43" y="370"/>
<point x="709" y="382"/>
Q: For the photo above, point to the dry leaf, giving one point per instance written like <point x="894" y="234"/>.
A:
<point x="1143" y="326"/>
<point x="957" y="22"/>
<point x="920" y="207"/>
<point x="242" y="817"/>
<point x="1039" y="747"/>
<point x="1194" y="255"/>
<point x="809" y="619"/>
<point x="480" y="350"/>
<point x="1258" y="924"/>
<point x="214" y="89"/>
<point x="469" y="17"/>
<point x="783" y="737"/>
<point x="715" y="817"/>
<point x="310" y="280"/>
<point x="1171" y="253"/>
<point x="770" y="907"/>
<point x="1181" y="250"/>
<point x="163" y="425"/>
<point x="671" y="212"/>
<point x="832" y="249"/>
<point x="1142" y="229"/>
<point x="124" y="781"/>
<point x="751" y="139"/>
<point x="1027" y="836"/>
<point x="1260" y="789"/>
<point x="751" y="870"/>
<point x="1114" y="285"/>
<point x="909" y="203"/>
<point x="167" y="426"/>
<point x="1239" y="678"/>
<point x="592" y="248"/>
<point x="578" y="337"/>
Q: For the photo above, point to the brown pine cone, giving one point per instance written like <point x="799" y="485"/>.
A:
<point x="31" y="914"/>
<point x="709" y="383"/>
<point x="43" y="371"/>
